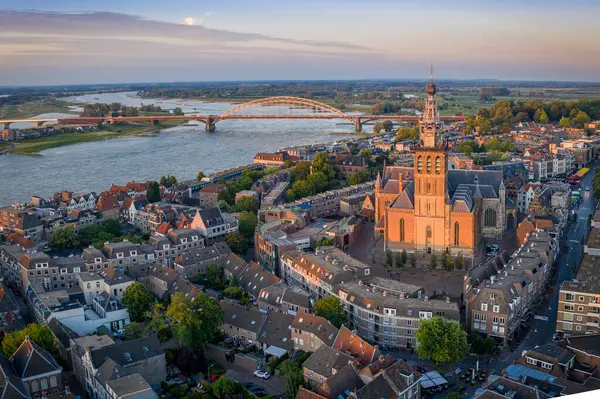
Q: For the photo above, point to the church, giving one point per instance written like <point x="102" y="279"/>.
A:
<point x="429" y="208"/>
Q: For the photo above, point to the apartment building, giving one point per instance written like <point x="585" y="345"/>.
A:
<point x="191" y="263"/>
<point x="110" y="281"/>
<point x="310" y="332"/>
<point x="502" y="292"/>
<point x="579" y="300"/>
<point x="213" y="225"/>
<point x="21" y="221"/>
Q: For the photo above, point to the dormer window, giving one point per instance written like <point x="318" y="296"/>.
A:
<point x="194" y="238"/>
<point x="165" y="246"/>
<point x="133" y="253"/>
<point x="119" y="255"/>
<point x="184" y="240"/>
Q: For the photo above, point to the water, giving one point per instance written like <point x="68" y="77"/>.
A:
<point x="181" y="151"/>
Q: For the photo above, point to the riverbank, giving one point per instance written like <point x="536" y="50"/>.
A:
<point x="32" y="108"/>
<point x="33" y="147"/>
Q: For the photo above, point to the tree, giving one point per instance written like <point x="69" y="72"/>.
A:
<point x="581" y="119"/>
<point x="377" y="127"/>
<point x="133" y="331"/>
<point x="565" y="122"/>
<point x="300" y="171"/>
<point x="164" y="181"/>
<point x="158" y="324"/>
<point x="153" y="192"/>
<point x="404" y="256"/>
<point x="225" y="388"/>
<point x="172" y="181"/>
<point x="453" y="395"/>
<point x="177" y="111"/>
<point x="413" y="260"/>
<point x="388" y="258"/>
<point x="195" y="321"/>
<point x="358" y="178"/>
<point x="399" y="262"/>
<point x="441" y="340"/>
<point x="322" y="163"/>
<point x="41" y="335"/>
<point x="387" y="125"/>
<point x="200" y="176"/>
<point x="332" y="309"/>
<point x="225" y="196"/>
<point x="138" y="301"/>
<point x="64" y="238"/>
<point x="540" y="116"/>
<point x="213" y="276"/>
<point x="458" y="262"/>
<point x="433" y="261"/>
<point x="247" y="221"/>
<point x="237" y="243"/>
<point x="246" y="204"/>
<point x="233" y="292"/>
<point x="293" y="382"/>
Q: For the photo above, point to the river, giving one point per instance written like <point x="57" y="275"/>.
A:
<point x="181" y="151"/>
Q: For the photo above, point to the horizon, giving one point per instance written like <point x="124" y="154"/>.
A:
<point x="70" y="42"/>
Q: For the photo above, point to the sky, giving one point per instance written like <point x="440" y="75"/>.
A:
<point x="48" y="42"/>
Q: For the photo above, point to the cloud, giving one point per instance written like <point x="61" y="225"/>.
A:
<point x="191" y="21"/>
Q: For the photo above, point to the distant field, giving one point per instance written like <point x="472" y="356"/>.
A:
<point x="33" y="108"/>
<point x="35" y="146"/>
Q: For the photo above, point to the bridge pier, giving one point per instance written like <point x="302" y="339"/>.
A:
<point x="210" y="125"/>
<point x="39" y="124"/>
<point x="358" y="125"/>
<point x="155" y="122"/>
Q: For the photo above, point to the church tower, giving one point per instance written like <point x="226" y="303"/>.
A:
<point x="432" y="213"/>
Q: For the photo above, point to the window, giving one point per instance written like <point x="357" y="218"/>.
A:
<point x="496" y="309"/>
<point x="409" y="323"/>
<point x="484" y="307"/>
<point x="580" y="308"/>
<point x="581" y="299"/>
<point x="438" y="165"/>
<point x="492" y="296"/>
<point x="428" y="187"/>
<point x="428" y="164"/>
<point x="570" y="297"/>
<point x="402" y="230"/>
<point x="457" y="235"/>
<point x="569" y="308"/>
<point x="420" y="164"/>
<point x="490" y="217"/>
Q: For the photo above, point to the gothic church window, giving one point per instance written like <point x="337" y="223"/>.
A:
<point x="456" y="234"/>
<point x="402" y="230"/>
<point x="428" y="164"/>
<point x="438" y="166"/>
<point x="420" y="164"/>
<point x="489" y="218"/>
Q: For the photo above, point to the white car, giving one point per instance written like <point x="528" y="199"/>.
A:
<point x="262" y="374"/>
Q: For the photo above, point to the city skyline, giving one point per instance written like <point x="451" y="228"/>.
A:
<point x="70" y="42"/>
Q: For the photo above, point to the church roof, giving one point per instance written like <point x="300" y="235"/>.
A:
<point x="393" y="172"/>
<point x="406" y="199"/>
<point x="462" y="201"/>
<point x="391" y="187"/>
<point x="485" y="190"/>
<point x="491" y="178"/>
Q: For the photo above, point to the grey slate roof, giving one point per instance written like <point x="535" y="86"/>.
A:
<point x="406" y="199"/>
<point x="325" y="359"/>
<point x="30" y="360"/>
<point x="376" y="389"/>
<point x="129" y="385"/>
<point x="11" y="386"/>
<point x="277" y="331"/>
<point x="242" y="316"/>
<point x="139" y="349"/>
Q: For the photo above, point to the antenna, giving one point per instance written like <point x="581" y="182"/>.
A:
<point x="431" y="73"/>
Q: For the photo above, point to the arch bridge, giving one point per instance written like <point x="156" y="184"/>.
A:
<point x="280" y="107"/>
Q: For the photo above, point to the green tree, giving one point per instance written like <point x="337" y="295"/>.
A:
<point x="404" y="256"/>
<point x="453" y="395"/>
<point x="224" y="388"/>
<point x="233" y="292"/>
<point x="138" y="301"/>
<point x="540" y="116"/>
<point x="237" y="243"/>
<point x="196" y="321"/>
<point x="164" y="181"/>
<point x="41" y="335"/>
<point x="366" y="154"/>
<point x="64" y="238"/>
<point x="158" y="324"/>
<point x="301" y="171"/>
<point x="213" y="276"/>
<point x="458" y="262"/>
<point x="565" y="122"/>
<point x="581" y="119"/>
<point x="293" y="382"/>
<point x="153" y="192"/>
<point x="433" y="261"/>
<point x="225" y="196"/>
<point x="358" y="178"/>
<point x="387" y="125"/>
<point x="200" y="176"/>
<point x="177" y="111"/>
<point x="377" y="127"/>
<point x="332" y="309"/>
<point x="399" y="262"/>
<point x="248" y="222"/>
<point x="172" y="181"/>
<point x="322" y="163"/>
<point x="246" y="204"/>
<point x="388" y="258"/>
<point x="441" y="340"/>
<point x="133" y="331"/>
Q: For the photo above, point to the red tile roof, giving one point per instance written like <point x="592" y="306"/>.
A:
<point x="348" y="341"/>
<point x="20" y="240"/>
<point x="107" y="202"/>
<point x="213" y="189"/>
<point x="304" y="393"/>
<point x="135" y="186"/>
<point x="163" y="229"/>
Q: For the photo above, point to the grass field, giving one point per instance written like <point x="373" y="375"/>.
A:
<point x="35" y="146"/>
<point x="33" y="108"/>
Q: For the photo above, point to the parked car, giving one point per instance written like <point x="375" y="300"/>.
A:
<point x="262" y="374"/>
<point x="214" y="377"/>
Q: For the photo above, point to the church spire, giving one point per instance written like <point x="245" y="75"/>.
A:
<point x="430" y="126"/>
